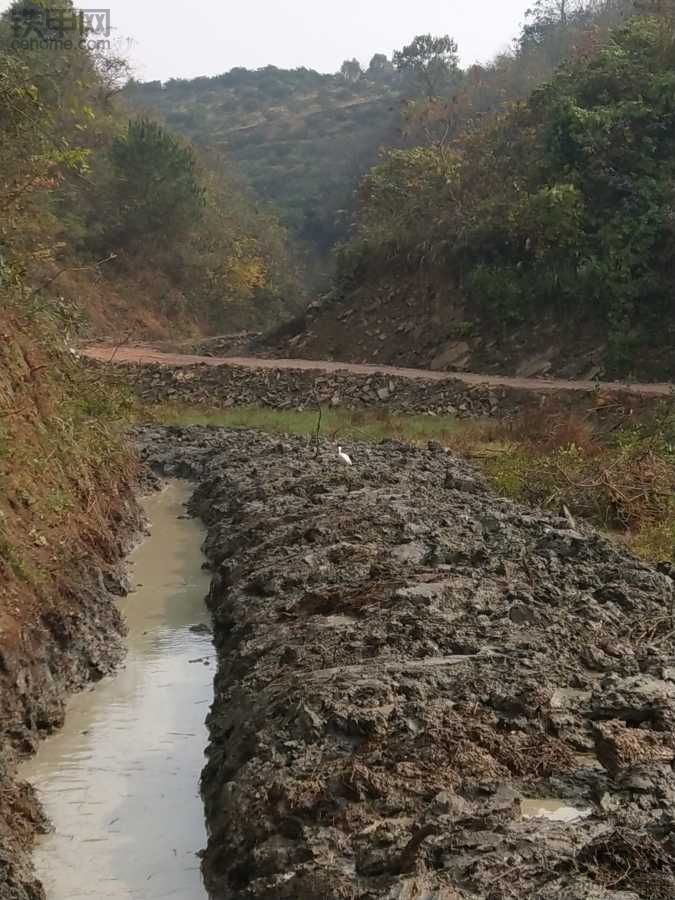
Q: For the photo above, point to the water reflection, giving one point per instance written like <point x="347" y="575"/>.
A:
<point x="120" y="782"/>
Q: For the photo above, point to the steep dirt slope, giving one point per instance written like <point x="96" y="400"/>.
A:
<point x="67" y="514"/>
<point x="414" y="322"/>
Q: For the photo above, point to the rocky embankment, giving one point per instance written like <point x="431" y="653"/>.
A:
<point x="238" y="344"/>
<point x="405" y="322"/>
<point x="410" y="666"/>
<point x="226" y="386"/>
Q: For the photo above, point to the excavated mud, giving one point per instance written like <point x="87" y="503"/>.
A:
<point x="424" y="691"/>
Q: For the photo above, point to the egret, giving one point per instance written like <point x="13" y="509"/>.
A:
<point x="344" y="459"/>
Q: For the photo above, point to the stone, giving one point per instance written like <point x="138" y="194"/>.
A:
<point x="456" y="355"/>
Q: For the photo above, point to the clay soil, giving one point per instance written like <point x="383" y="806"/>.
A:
<point x="405" y="662"/>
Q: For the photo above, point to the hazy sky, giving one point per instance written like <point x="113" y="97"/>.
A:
<point x="184" y="38"/>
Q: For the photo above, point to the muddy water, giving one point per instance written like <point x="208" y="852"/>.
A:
<point x="554" y="810"/>
<point x="120" y="782"/>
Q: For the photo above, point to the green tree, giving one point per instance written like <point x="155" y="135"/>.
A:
<point x="351" y="70"/>
<point x="380" y="67"/>
<point x="433" y="61"/>
<point x="158" y="195"/>
<point x="558" y="209"/>
<point x="399" y="199"/>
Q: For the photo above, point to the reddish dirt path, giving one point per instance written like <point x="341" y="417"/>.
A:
<point x="147" y="354"/>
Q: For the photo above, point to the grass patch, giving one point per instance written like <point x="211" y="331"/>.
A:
<point x="4" y="441"/>
<point x="621" y="479"/>
<point x="655" y="542"/>
<point x="65" y="463"/>
<point x="336" y="424"/>
<point x="12" y="561"/>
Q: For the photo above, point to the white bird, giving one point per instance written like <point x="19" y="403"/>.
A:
<point x="344" y="459"/>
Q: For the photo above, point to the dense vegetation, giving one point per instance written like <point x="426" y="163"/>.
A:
<point x="81" y="181"/>
<point x="525" y="188"/>
<point x="561" y="205"/>
<point x="303" y="139"/>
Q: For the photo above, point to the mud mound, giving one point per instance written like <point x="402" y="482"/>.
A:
<point x="410" y="669"/>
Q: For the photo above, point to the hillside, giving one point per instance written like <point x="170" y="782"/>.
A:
<point x="67" y="515"/>
<point x="303" y="139"/>
<point x="118" y="218"/>
<point x="540" y="241"/>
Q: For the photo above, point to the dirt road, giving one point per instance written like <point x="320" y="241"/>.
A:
<point x="147" y="354"/>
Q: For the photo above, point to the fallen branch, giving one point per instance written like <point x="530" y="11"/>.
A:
<point x="118" y="346"/>
<point x="14" y="412"/>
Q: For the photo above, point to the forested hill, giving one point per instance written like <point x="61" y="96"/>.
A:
<point x="302" y="138"/>
<point x="114" y="215"/>
<point x="537" y="240"/>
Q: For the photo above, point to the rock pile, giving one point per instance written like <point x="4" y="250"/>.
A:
<point x="226" y="386"/>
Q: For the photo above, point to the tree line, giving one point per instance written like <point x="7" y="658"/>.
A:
<point x="83" y="177"/>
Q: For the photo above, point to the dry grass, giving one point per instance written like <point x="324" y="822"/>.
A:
<point x="63" y="459"/>
<point x="336" y="424"/>
<point x="620" y="479"/>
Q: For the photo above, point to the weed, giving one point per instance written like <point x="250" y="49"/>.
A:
<point x="11" y="560"/>
<point x="4" y="441"/>
<point x="58" y="501"/>
<point x="335" y="423"/>
<point x="655" y="542"/>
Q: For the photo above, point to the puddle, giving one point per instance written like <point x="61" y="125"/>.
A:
<point x="553" y="810"/>
<point x="337" y="622"/>
<point x="121" y="782"/>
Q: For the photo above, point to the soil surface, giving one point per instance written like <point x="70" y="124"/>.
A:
<point x="423" y="322"/>
<point x="410" y="668"/>
<point x="145" y="354"/>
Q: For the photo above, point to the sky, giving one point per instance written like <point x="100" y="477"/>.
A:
<point x="186" y="38"/>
